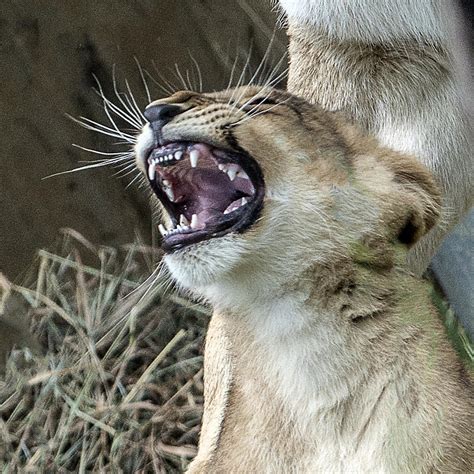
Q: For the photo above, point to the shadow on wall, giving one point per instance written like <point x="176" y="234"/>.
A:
<point x="50" y="53"/>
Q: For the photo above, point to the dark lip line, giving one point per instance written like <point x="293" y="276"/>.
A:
<point x="239" y="223"/>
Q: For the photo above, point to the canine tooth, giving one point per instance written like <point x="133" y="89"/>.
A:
<point x="244" y="201"/>
<point x="178" y="155"/>
<point x="151" y="172"/>
<point x="162" y="230"/>
<point x="232" y="172"/>
<point x="194" y="221"/>
<point x="183" y="221"/>
<point x="193" y="157"/>
<point x="169" y="192"/>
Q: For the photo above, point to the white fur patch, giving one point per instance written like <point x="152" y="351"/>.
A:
<point x="371" y="20"/>
<point x="144" y="142"/>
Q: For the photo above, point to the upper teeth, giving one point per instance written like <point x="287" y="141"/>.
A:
<point x="183" y="221"/>
<point x="232" y="170"/>
<point x="151" y="171"/>
<point x="193" y="157"/>
<point x="177" y="155"/>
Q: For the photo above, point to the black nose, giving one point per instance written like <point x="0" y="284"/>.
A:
<point x="161" y="113"/>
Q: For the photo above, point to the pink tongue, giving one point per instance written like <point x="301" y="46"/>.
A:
<point x="210" y="190"/>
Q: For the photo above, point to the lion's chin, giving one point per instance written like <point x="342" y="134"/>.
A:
<point x="197" y="267"/>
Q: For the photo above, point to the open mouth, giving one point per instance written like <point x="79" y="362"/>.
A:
<point x="207" y="191"/>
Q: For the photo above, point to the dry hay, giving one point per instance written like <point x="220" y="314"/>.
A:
<point x="117" y="383"/>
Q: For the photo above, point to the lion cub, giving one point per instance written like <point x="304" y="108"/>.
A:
<point x="324" y="353"/>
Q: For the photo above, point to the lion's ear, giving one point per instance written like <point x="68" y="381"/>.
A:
<point x="418" y="199"/>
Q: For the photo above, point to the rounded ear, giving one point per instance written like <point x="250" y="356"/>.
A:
<point x="419" y="197"/>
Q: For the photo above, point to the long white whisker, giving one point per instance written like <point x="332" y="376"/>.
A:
<point x="75" y="170"/>
<point x="110" y="106"/>
<point x="196" y="64"/>
<point x="102" y="129"/>
<point x="232" y="71"/>
<point x="241" y="77"/>
<point x="271" y="79"/>
<point x="180" y="77"/>
<point x="190" y="82"/>
<point x="137" y="108"/>
<point x="277" y="79"/>
<point x="252" y="98"/>
<point x="125" y="171"/>
<point x="248" y="117"/>
<point x="262" y="62"/>
<point x="142" y="76"/>
<point x="132" y="117"/>
<point x="136" y="178"/>
<point x="171" y="87"/>
<point x="122" y="154"/>
<point x="167" y="90"/>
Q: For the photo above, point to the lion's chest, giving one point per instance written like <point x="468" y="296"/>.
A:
<point x="286" y="414"/>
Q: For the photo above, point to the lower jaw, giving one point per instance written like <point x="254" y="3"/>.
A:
<point x="177" y="242"/>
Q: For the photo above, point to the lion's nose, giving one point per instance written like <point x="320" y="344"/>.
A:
<point x="162" y="113"/>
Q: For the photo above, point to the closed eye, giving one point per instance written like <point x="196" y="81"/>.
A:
<point x="261" y="101"/>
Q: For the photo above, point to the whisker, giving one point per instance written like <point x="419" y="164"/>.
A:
<point x="181" y="78"/>
<point x="135" y="179"/>
<point x="248" y="117"/>
<point x="198" y="69"/>
<point x="137" y="122"/>
<point x="229" y="84"/>
<point x="190" y="82"/>
<point x="142" y="76"/>
<point x="241" y="77"/>
<point x="123" y="154"/>
<point x="75" y="170"/>
<point x="137" y="108"/>
<point x="126" y="170"/>
<point x="271" y="78"/>
<point x="171" y="87"/>
<point x="262" y="62"/>
<point x="104" y="130"/>
<point x="109" y="106"/>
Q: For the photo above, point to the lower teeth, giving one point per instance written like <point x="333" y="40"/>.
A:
<point x="235" y="205"/>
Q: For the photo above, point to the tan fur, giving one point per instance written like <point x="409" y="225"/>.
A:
<point x="324" y="353"/>
<point x="388" y="65"/>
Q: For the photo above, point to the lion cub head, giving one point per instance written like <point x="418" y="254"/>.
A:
<point x="256" y="184"/>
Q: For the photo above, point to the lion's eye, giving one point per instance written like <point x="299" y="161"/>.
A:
<point x="261" y="101"/>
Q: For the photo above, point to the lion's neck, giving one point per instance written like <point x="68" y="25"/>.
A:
<point x="301" y="331"/>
